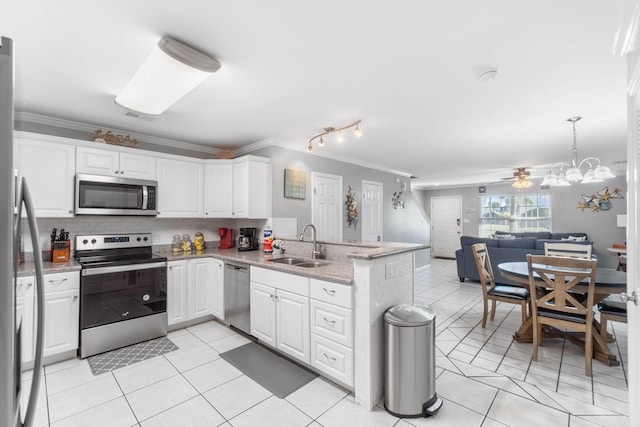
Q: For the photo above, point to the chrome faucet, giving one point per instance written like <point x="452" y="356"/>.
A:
<point x="315" y="253"/>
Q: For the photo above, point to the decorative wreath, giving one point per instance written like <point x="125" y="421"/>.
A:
<point x="352" y="208"/>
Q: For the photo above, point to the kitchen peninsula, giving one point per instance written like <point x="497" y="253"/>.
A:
<point x="379" y="276"/>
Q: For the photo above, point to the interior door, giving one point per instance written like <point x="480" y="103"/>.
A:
<point x="446" y="226"/>
<point x="326" y="200"/>
<point x="371" y="211"/>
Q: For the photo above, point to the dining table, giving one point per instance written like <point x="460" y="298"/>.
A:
<point x="608" y="282"/>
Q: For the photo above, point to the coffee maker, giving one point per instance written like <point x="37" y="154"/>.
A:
<point x="226" y="238"/>
<point x="248" y="240"/>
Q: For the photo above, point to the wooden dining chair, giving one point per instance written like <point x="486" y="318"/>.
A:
<point x="558" y="306"/>
<point x="492" y="292"/>
<point x="571" y="250"/>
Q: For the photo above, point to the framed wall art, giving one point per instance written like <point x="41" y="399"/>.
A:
<point x="295" y="184"/>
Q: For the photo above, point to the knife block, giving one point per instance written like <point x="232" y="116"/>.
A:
<point x="60" y="251"/>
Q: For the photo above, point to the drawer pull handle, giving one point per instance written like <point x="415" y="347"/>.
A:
<point x="126" y="313"/>
<point x="332" y="360"/>
<point x="75" y="297"/>
<point x="329" y="291"/>
<point x="329" y="322"/>
<point x="56" y="282"/>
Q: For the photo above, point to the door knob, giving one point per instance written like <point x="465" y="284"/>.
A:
<point x="626" y="297"/>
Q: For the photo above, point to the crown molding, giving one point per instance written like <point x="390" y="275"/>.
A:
<point x="265" y="143"/>
<point x="628" y="26"/>
<point x="275" y="142"/>
<point x="91" y="128"/>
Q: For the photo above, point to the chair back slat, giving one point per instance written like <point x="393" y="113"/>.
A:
<point x="568" y="250"/>
<point x="483" y="263"/>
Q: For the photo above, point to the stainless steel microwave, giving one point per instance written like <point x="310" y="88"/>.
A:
<point x="106" y="195"/>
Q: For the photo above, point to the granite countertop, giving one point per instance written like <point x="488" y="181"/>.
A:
<point x="29" y="268"/>
<point x="334" y="271"/>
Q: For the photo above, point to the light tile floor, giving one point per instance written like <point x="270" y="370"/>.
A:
<point x="484" y="378"/>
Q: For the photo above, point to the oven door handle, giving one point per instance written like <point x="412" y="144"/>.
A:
<point x="122" y="268"/>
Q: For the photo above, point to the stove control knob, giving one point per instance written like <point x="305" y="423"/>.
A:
<point x="145" y="239"/>
<point x="85" y="241"/>
<point x="93" y="241"/>
<point x="138" y="239"/>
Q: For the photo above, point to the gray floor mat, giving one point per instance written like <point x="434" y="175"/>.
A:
<point x="275" y="373"/>
<point x="105" y="362"/>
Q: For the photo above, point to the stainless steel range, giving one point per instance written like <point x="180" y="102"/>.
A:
<point x="123" y="291"/>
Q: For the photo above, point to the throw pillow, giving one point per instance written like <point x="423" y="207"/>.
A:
<point x="505" y="237"/>
<point x="575" y="238"/>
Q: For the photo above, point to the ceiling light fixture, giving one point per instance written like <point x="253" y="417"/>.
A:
<point x="357" y="132"/>
<point x="570" y="172"/>
<point x="488" y="75"/>
<point x="172" y="70"/>
<point x="522" y="183"/>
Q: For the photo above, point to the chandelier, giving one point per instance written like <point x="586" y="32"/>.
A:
<point x="571" y="172"/>
<point x="357" y="132"/>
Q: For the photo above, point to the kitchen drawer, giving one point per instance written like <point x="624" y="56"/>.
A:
<point x="332" y="293"/>
<point x="334" y="360"/>
<point x="279" y="280"/>
<point x="61" y="282"/>
<point x="332" y="322"/>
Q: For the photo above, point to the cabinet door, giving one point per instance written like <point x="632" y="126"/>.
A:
<point x="61" y="317"/>
<point x="179" y="188"/>
<point x="217" y="294"/>
<point x="263" y="313"/>
<point x="50" y="170"/>
<point x="98" y="162"/>
<point x="137" y="166"/>
<point x="176" y="292"/>
<point x="241" y="190"/>
<point x="292" y="330"/>
<point x="200" y="287"/>
<point x="218" y="195"/>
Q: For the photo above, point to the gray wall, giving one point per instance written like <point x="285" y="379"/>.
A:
<point x="399" y="225"/>
<point x="566" y="217"/>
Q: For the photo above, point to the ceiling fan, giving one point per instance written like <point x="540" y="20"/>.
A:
<point x="520" y="177"/>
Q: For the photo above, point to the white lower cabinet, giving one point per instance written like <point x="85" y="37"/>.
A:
<point x="280" y="311"/>
<point x="61" y="312"/>
<point x="332" y="330"/>
<point x="194" y="289"/>
<point x="24" y="310"/>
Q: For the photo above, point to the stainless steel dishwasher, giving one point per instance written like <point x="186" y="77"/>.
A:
<point x="236" y="296"/>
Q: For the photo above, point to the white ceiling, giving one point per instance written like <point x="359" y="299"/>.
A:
<point x="408" y="69"/>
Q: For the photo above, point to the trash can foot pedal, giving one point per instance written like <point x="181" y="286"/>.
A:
<point x="432" y="406"/>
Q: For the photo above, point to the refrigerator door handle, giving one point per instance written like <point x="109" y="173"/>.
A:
<point x="25" y="196"/>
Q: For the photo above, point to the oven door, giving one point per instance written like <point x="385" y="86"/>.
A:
<point x="117" y="293"/>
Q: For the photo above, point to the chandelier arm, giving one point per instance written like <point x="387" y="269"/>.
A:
<point x="561" y="164"/>
<point x="589" y="163"/>
<point x="357" y="122"/>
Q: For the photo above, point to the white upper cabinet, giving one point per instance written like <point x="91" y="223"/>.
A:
<point x="252" y="192"/>
<point x="113" y="163"/>
<point x="49" y="168"/>
<point x="180" y="188"/>
<point x="218" y="184"/>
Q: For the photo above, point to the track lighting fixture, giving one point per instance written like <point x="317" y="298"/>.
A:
<point x="357" y="132"/>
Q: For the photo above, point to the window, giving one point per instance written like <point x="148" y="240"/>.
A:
<point x="514" y="213"/>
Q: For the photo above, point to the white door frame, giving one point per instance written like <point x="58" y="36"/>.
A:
<point x="380" y="207"/>
<point x="315" y="175"/>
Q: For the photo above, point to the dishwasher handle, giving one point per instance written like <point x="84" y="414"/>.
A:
<point x="237" y="267"/>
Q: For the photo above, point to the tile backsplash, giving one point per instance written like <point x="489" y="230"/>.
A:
<point x="163" y="229"/>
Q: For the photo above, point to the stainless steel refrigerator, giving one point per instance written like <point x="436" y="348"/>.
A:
<point x="16" y="409"/>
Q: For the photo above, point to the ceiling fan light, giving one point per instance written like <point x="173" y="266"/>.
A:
<point x="171" y="71"/>
<point x="603" y="172"/>
<point x="522" y="183"/>
<point x="573" y="174"/>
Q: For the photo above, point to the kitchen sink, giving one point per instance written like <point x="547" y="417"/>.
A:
<point x="299" y="262"/>
<point x="309" y="264"/>
<point x="289" y="261"/>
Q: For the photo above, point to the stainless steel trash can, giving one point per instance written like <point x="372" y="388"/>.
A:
<point x="410" y="357"/>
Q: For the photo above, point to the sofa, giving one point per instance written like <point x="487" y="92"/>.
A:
<point x="509" y="247"/>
